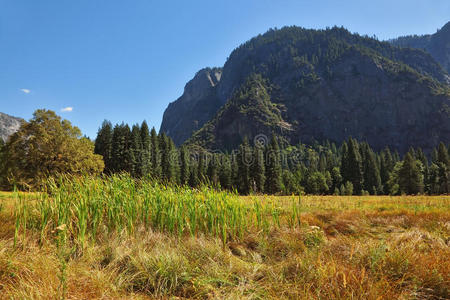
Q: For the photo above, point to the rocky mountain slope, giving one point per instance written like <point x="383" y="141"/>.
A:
<point x="8" y="125"/>
<point x="438" y="44"/>
<point x="309" y="85"/>
<point x="195" y="107"/>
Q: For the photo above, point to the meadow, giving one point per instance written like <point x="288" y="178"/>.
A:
<point x="118" y="238"/>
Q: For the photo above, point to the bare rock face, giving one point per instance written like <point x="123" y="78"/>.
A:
<point x="8" y="125"/>
<point x="306" y="85"/>
<point x="194" y="108"/>
<point x="200" y="86"/>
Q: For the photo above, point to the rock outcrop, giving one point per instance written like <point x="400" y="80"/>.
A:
<point x="8" y="125"/>
<point x="195" y="107"/>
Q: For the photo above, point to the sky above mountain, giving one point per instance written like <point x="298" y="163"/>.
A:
<point x="91" y="60"/>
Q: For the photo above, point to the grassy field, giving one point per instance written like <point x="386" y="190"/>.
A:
<point x="120" y="239"/>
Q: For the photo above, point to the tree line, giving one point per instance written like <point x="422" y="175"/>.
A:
<point x="274" y="166"/>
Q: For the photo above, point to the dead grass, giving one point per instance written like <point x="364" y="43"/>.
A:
<point x="345" y="248"/>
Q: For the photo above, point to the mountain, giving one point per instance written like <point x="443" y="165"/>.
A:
<point x="438" y="44"/>
<point x="8" y="125"/>
<point x="307" y="85"/>
<point x="195" y="107"/>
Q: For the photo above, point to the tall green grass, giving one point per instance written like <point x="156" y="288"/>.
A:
<point x="86" y="208"/>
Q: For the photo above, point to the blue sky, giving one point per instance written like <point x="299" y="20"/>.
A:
<point x="126" y="60"/>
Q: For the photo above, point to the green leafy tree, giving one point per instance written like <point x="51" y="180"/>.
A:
<point x="348" y="188"/>
<point x="316" y="183"/>
<point x="291" y="185"/>
<point x="47" y="146"/>
<point x="336" y="178"/>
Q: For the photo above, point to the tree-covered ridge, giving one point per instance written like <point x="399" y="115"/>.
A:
<point x="437" y="44"/>
<point x="249" y="112"/>
<point x="294" y="47"/>
<point x="272" y="166"/>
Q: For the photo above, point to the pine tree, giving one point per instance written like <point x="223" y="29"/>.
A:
<point x="120" y="148"/>
<point x="213" y="172"/>
<point x="386" y="167"/>
<point x="443" y="163"/>
<point x="135" y="152"/>
<point x="155" y="154"/>
<point x="352" y="165"/>
<point x="433" y="185"/>
<point x="322" y="163"/>
<point x="244" y="160"/>
<point x="372" y="180"/>
<point x="169" y="158"/>
<point x="273" y="167"/>
<point x="234" y="170"/>
<point x="225" y="173"/>
<point x="410" y="179"/>
<point x="145" y="158"/>
<point x="184" y="165"/>
<point x="201" y="167"/>
<point x="103" y="144"/>
<point x="420" y="156"/>
<point x="258" y="170"/>
<point x="174" y="162"/>
<point x="193" y="176"/>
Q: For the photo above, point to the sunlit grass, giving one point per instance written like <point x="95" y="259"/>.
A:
<point x="91" y="238"/>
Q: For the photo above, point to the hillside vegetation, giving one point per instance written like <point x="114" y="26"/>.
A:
<point x="437" y="44"/>
<point x="322" y="85"/>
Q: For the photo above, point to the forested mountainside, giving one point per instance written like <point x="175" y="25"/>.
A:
<point x="438" y="44"/>
<point x="307" y="85"/>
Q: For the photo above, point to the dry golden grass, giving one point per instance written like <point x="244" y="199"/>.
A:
<point x="344" y="248"/>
